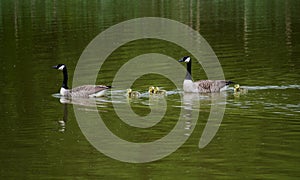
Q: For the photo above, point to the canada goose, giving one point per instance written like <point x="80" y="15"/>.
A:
<point x="80" y="91"/>
<point x="237" y="89"/>
<point x="133" y="94"/>
<point x="203" y="86"/>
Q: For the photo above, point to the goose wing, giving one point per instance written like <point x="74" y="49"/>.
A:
<point x="207" y="86"/>
<point x="86" y="90"/>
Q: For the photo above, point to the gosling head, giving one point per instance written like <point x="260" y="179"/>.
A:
<point x="129" y="91"/>
<point x="151" y="89"/>
<point x="59" y="67"/>
<point x="236" y="87"/>
<point x="156" y="89"/>
<point x="185" y="59"/>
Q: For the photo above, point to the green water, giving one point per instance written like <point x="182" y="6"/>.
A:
<point x="257" y="43"/>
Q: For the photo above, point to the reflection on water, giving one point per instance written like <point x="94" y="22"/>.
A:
<point x="190" y="110"/>
<point x="62" y="123"/>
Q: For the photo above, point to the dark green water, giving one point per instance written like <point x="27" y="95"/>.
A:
<point x="257" y="43"/>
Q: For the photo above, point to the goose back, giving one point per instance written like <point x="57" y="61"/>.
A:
<point x="204" y="86"/>
<point x="88" y="91"/>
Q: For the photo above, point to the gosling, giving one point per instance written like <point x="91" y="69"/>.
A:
<point x="133" y="94"/>
<point x="159" y="91"/>
<point x="238" y="89"/>
<point x="155" y="90"/>
<point x="151" y="90"/>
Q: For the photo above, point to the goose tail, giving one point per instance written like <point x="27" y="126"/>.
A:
<point x="229" y="82"/>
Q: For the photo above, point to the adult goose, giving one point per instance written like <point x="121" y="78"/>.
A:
<point x="84" y="91"/>
<point x="203" y="86"/>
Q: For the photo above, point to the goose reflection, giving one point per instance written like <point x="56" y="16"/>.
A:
<point x="87" y="102"/>
<point x="191" y="105"/>
<point x="82" y="102"/>
<point x="63" y="121"/>
<point x="189" y="115"/>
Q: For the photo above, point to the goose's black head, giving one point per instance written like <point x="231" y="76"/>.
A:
<point x="59" y="67"/>
<point x="185" y="59"/>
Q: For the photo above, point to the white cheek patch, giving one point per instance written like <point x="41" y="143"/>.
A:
<point x="63" y="91"/>
<point x="187" y="60"/>
<point x="61" y="67"/>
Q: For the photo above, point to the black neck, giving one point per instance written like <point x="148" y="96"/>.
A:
<point x="189" y="70"/>
<point x="65" y="81"/>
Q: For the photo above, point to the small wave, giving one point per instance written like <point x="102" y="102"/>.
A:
<point x="56" y="95"/>
<point x="271" y="87"/>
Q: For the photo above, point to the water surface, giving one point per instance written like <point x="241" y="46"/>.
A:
<point x="257" y="43"/>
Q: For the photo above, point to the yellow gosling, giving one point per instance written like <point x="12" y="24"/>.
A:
<point x="159" y="91"/>
<point x="151" y="90"/>
<point x="237" y="89"/>
<point x="133" y="94"/>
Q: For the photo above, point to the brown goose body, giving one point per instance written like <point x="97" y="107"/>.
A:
<point x="86" y="91"/>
